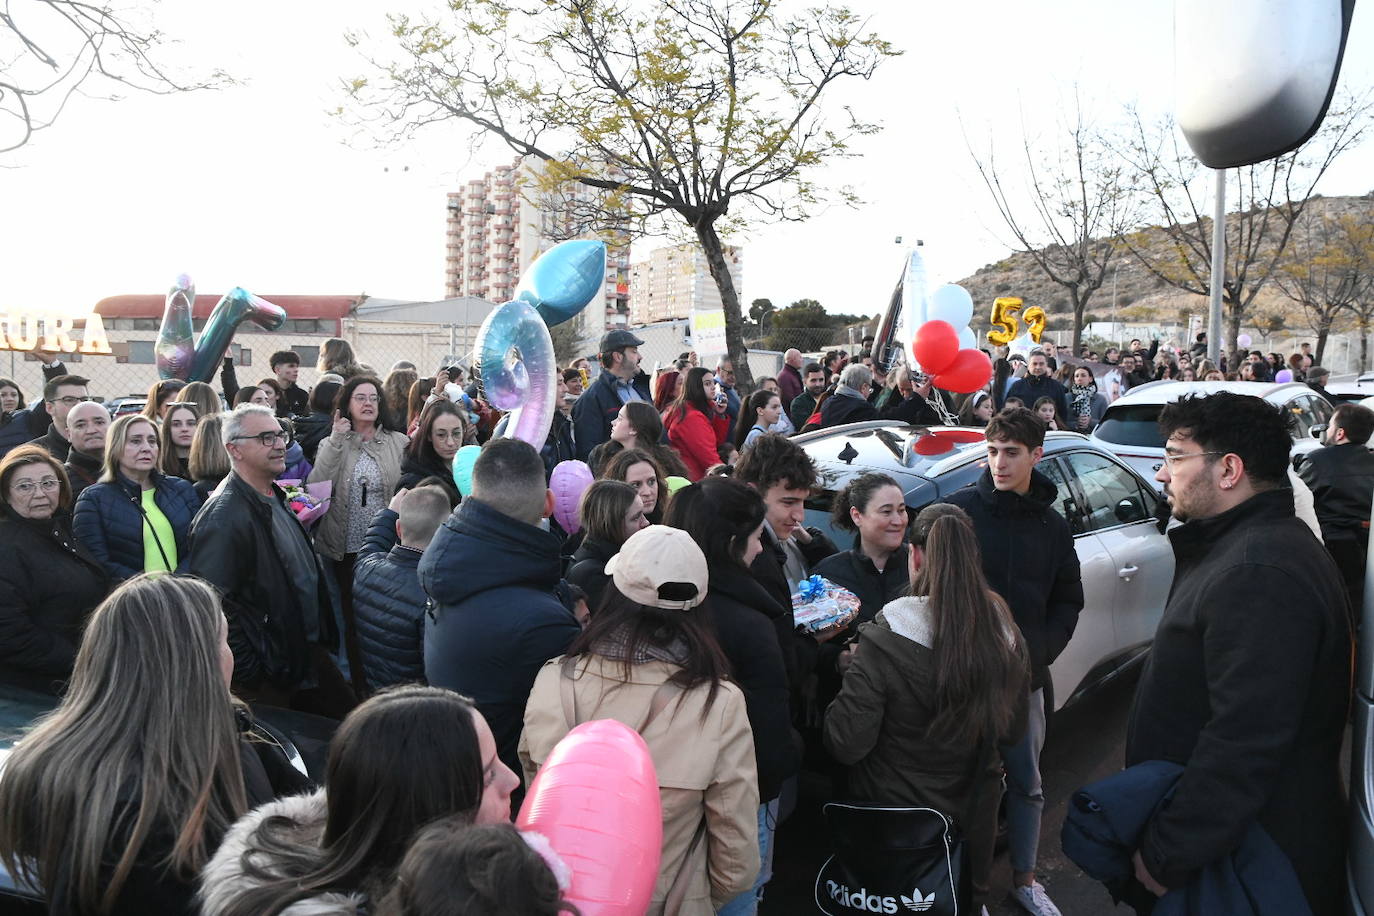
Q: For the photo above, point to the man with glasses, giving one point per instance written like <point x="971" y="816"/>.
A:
<point x="248" y="544"/>
<point x="60" y="395"/>
<point x="87" y="424"/>
<point x="1248" y="682"/>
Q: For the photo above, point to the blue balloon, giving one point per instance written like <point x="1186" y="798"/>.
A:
<point x="565" y="279"/>
<point x="462" y="467"/>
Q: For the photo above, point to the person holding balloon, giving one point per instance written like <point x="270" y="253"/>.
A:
<point x="648" y="660"/>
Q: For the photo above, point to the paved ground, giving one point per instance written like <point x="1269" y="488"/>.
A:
<point x="1086" y="743"/>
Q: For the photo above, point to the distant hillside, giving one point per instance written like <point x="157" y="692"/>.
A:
<point x="1139" y="296"/>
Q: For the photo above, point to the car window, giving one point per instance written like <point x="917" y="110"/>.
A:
<point x="1321" y="410"/>
<point x="1113" y="495"/>
<point x="1302" y="409"/>
<point x="1131" y="424"/>
<point x="1065" y="502"/>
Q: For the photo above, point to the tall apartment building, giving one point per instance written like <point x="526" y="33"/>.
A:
<point x="493" y="235"/>
<point x="674" y="281"/>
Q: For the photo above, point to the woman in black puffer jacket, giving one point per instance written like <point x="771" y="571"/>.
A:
<point x="48" y="582"/>
<point x="136" y="519"/>
<point x="610" y="512"/>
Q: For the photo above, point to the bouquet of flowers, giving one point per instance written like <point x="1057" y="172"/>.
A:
<point x="822" y="605"/>
<point x="308" y="500"/>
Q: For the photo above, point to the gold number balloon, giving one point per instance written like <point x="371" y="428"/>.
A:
<point x="1035" y="319"/>
<point x="1004" y="310"/>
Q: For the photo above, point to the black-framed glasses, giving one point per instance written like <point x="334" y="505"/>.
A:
<point x="72" y="400"/>
<point x="269" y="438"/>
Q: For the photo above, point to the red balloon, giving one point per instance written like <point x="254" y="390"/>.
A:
<point x="969" y="371"/>
<point x="936" y="346"/>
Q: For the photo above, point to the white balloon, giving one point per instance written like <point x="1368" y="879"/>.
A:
<point x="967" y="339"/>
<point x="951" y="303"/>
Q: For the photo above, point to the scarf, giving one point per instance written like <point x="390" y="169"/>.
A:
<point x="1082" y="399"/>
<point x="615" y="646"/>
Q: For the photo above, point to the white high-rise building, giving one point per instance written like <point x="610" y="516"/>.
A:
<point x="494" y="234"/>
<point x="672" y="282"/>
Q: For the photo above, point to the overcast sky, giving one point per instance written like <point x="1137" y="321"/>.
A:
<point x="257" y="186"/>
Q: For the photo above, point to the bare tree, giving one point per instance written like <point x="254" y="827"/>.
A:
<point x="699" y="113"/>
<point x="1078" y="200"/>
<point x="1266" y="201"/>
<point x="1329" y="264"/>
<point x="52" y="49"/>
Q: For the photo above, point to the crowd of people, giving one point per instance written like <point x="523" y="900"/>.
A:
<point x="162" y="583"/>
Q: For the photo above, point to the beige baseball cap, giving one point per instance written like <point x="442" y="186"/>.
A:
<point x="660" y="567"/>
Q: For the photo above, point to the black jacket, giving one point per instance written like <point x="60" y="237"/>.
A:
<point x="311" y="431"/>
<point x="845" y="408"/>
<point x="413" y="470"/>
<point x="853" y="570"/>
<point x="109" y="521"/>
<point x="498" y="615"/>
<point x="82" y="471"/>
<point x="798" y="652"/>
<point x="1342" y="481"/>
<point x="916" y="410"/>
<point x="232" y="548"/>
<point x="597" y="407"/>
<point x="559" y="446"/>
<point x="49" y="584"/>
<point x="296" y="401"/>
<point x="745" y="617"/>
<point x="55" y="443"/>
<point x="1032" y="388"/>
<point x="389" y="605"/>
<point x="588" y="570"/>
<point x="1029" y="559"/>
<point x="1247" y="686"/>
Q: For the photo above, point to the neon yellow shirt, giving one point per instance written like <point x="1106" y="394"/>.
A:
<point x="157" y="530"/>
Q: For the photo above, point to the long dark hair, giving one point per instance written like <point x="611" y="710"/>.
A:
<point x="631" y="630"/>
<point x="618" y="468"/>
<point x="693" y="394"/>
<point x="405" y="757"/>
<point x="421" y="449"/>
<point x="749" y="416"/>
<point x="720" y="514"/>
<point x="603" y="508"/>
<point x="980" y="666"/>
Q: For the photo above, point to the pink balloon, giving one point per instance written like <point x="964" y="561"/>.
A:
<point x="567" y="482"/>
<point x="596" y="799"/>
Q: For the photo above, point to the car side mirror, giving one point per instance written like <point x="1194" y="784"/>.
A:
<point x="1130" y="510"/>
<point x="1318" y="430"/>
<point x="1266" y="91"/>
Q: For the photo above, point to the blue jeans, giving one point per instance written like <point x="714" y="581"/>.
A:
<point x="1025" y="799"/>
<point x="747" y="903"/>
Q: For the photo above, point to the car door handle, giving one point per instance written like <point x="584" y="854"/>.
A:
<point x="1126" y="572"/>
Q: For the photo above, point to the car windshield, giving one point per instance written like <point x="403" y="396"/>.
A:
<point x="1131" y="424"/>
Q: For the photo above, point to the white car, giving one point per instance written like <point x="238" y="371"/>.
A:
<point x="1130" y="427"/>
<point x="1127" y="564"/>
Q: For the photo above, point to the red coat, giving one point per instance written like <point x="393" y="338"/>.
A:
<point x="695" y="436"/>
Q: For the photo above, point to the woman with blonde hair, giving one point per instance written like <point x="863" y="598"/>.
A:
<point x="136" y="519"/>
<point x="160" y="394"/>
<point x="208" y="462"/>
<point x="113" y="802"/>
<point x="336" y="355"/>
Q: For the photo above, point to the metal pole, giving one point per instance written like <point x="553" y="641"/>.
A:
<point x="1218" y="271"/>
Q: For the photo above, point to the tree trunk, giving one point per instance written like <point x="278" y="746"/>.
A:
<point x="1364" y="345"/>
<point x="1232" y="321"/>
<point x="1080" y="305"/>
<point x="729" y="298"/>
<point x="1322" y="333"/>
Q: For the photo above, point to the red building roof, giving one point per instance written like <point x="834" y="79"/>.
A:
<point x="333" y="308"/>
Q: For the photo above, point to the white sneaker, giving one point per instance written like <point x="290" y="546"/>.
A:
<point x="1033" y="899"/>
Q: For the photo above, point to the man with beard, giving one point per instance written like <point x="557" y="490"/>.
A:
<point x="1247" y="684"/>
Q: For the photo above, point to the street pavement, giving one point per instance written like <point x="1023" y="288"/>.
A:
<point x="1086" y="743"/>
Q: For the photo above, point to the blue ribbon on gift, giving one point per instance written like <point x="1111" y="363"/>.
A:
<point x="812" y="588"/>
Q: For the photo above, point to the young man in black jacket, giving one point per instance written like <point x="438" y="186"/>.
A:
<point x="1029" y="559"/>
<point x="1341" y="477"/>
<point x="1247" y="685"/>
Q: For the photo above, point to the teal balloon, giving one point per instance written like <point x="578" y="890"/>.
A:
<point x="565" y="279"/>
<point x="462" y="467"/>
